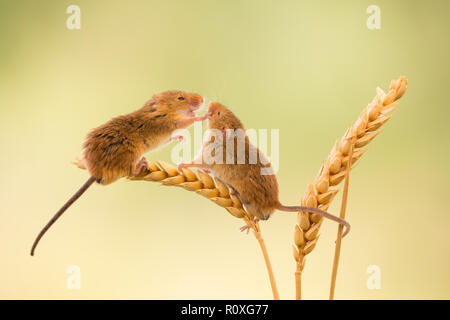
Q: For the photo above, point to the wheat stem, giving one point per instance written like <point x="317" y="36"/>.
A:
<point x="273" y="283"/>
<point x="298" y="285"/>
<point x="337" y="251"/>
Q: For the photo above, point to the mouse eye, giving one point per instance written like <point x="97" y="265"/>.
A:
<point x="181" y="98"/>
<point x="218" y="113"/>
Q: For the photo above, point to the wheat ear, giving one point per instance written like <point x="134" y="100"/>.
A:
<point x="211" y="188"/>
<point x="333" y="172"/>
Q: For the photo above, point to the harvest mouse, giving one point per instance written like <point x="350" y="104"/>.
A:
<point x="258" y="192"/>
<point x="114" y="149"/>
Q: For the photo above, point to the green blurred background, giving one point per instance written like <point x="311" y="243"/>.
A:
<point x="305" y="67"/>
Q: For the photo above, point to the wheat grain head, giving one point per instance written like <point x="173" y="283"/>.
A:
<point x="332" y="172"/>
<point x="201" y="183"/>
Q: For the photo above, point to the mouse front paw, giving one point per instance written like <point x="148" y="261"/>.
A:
<point x="200" y="118"/>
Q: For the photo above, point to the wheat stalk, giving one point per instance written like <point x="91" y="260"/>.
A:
<point x="211" y="188"/>
<point x="333" y="171"/>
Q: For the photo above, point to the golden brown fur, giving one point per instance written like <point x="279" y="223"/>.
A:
<point x="258" y="192"/>
<point x="112" y="150"/>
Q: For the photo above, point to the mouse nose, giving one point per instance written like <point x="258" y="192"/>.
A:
<point x="196" y="100"/>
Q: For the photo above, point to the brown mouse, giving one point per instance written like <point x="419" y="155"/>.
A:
<point x="258" y="192"/>
<point x="114" y="149"/>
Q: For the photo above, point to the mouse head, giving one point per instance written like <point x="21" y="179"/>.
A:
<point x="221" y="118"/>
<point x="176" y="101"/>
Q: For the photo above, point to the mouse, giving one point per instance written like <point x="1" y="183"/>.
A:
<point x="115" y="149"/>
<point x="258" y="192"/>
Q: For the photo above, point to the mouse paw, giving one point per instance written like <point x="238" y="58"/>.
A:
<point x="247" y="227"/>
<point x="200" y="118"/>
<point x="140" y="167"/>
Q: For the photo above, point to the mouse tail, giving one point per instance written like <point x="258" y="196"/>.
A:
<point x="58" y="214"/>
<point x="319" y="212"/>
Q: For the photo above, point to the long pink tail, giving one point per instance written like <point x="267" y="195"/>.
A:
<point x="319" y="212"/>
<point x="78" y="194"/>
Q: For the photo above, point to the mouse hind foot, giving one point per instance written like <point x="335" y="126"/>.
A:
<point x="247" y="227"/>
<point x="141" y="166"/>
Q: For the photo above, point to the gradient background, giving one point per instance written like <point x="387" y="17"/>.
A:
<point x="305" y="67"/>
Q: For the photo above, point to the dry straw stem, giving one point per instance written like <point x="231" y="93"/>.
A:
<point x="211" y="188"/>
<point x="337" y="251"/>
<point x="333" y="171"/>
